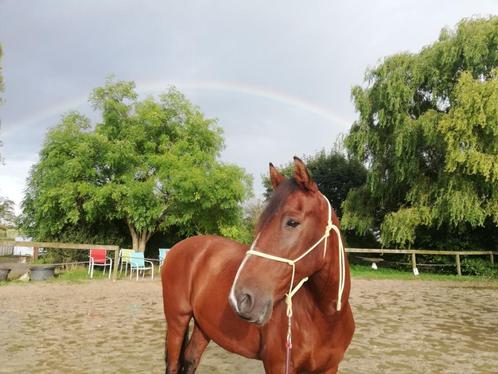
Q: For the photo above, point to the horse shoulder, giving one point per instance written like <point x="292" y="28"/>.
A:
<point x="198" y="259"/>
<point x="207" y="265"/>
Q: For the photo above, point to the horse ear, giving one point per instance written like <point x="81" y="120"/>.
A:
<point x="275" y="177"/>
<point x="302" y="176"/>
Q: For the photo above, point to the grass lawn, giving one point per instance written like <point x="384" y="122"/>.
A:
<point x="366" y="272"/>
<point x="79" y="274"/>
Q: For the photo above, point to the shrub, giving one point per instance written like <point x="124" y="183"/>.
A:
<point x="479" y="267"/>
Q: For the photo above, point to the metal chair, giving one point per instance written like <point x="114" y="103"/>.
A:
<point x="98" y="257"/>
<point x="162" y="255"/>
<point x="137" y="263"/>
<point x="124" y="258"/>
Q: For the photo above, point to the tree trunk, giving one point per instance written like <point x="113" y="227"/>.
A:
<point x="134" y="236"/>
<point x="143" y="238"/>
<point x="139" y="239"/>
<point x="142" y="241"/>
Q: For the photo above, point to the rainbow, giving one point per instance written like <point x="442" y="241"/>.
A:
<point x="241" y="88"/>
<point x="148" y="87"/>
<point x="35" y="118"/>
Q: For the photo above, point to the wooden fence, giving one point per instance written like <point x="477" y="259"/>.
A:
<point x="415" y="252"/>
<point x="6" y="250"/>
<point x="70" y="246"/>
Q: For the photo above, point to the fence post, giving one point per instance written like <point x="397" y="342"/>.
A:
<point x="116" y="260"/>
<point x="414" y="261"/>
<point x="492" y="258"/>
<point x="459" y="269"/>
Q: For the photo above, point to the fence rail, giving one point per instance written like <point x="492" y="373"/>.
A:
<point x="9" y="244"/>
<point x="73" y="246"/>
<point x="415" y="252"/>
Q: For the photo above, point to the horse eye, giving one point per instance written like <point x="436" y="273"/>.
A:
<point x="292" y="223"/>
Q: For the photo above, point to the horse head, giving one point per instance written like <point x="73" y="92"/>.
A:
<point x="296" y="220"/>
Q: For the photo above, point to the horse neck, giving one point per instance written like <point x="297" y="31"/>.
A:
<point x="324" y="284"/>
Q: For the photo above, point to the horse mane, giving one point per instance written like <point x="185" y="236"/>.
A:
<point x="277" y="198"/>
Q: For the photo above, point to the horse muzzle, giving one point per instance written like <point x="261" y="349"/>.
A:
<point x="250" y="306"/>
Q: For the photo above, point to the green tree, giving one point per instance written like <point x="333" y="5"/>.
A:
<point x="151" y="165"/>
<point x="2" y="87"/>
<point x="428" y="130"/>
<point x="333" y="173"/>
<point x="243" y="230"/>
<point x="7" y="215"/>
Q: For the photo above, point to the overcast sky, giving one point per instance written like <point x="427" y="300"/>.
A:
<point x="276" y="74"/>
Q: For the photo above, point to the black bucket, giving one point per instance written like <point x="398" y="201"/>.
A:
<point x="42" y="272"/>
<point x="3" y="274"/>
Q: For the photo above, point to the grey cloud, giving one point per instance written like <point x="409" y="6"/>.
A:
<point x="57" y="51"/>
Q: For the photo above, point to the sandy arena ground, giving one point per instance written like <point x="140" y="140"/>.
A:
<point x="104" y="327"/>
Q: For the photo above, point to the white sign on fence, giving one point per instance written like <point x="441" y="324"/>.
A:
<point x="23" y="251"/>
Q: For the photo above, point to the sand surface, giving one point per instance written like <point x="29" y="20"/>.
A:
<point x="106" y="327"/>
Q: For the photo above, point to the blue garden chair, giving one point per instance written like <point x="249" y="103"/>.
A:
<point x="138" y="264"/>
<point x="162" y="255"/>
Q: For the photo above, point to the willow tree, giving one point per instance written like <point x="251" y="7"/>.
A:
<point x="428" y="130"/>
<point x="150" y="165"/>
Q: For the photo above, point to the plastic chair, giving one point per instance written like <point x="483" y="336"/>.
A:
<point x="162" y="255"/>
<point x="124" y="258"/>
<point x="137" y="263"/>
<point x="98" y="258"/>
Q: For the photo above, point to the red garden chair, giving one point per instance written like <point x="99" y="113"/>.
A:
<point x="98" y="258"/>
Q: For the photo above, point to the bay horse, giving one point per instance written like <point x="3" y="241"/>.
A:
<point x="251" y="302"/>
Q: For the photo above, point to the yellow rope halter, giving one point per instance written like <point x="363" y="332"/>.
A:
<point x="292" y="263"/>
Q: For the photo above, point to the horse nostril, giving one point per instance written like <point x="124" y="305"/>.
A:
<point x="245" y="303"/>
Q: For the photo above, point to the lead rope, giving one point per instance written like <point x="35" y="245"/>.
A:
<point x="288" y="343"/>
<point x="292" y="263"/>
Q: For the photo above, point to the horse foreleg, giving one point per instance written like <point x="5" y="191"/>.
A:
<point x="331" y="370"/>
<point x="196" y="346"/>
<point x="176" y="339"/>
<point x="274" y="362"/>
<point x="277" y="368"/>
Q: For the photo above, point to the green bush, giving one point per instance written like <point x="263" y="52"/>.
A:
<point x="57" y="256"/>
<point x="479" y="267"/>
